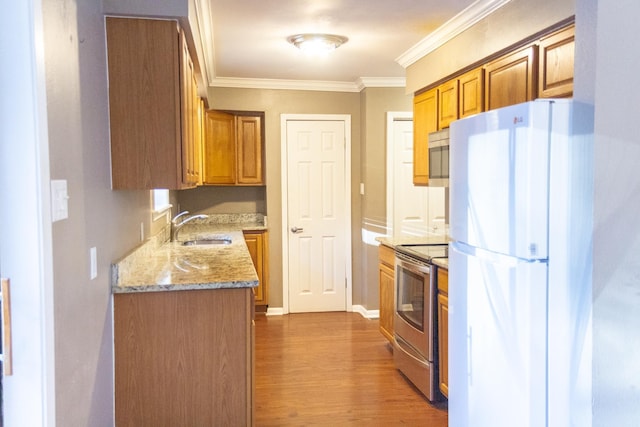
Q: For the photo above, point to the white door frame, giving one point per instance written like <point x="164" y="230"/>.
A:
<point x="25" y="221"/>
<point x="285" y="197"/>
<point x="391" y="161"/>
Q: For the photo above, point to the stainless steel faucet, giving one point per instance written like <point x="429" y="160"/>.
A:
<point x="176" y="226"/>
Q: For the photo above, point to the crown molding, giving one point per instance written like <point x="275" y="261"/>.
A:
<point x="313" y="85"/>
<point x="364" y="82"/>
<point x="456" y="25"/>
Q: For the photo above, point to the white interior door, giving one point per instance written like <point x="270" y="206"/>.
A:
<point x="410" y="202"/>
<point x="317" y="215"/>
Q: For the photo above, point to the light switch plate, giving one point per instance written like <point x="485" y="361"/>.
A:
<point x="93" y="263"/>
<point x="59" y="200"/>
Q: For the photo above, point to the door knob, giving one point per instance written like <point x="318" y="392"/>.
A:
<point x="296" y="230"/>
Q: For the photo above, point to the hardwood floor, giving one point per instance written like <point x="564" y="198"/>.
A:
<point x="333" y="369"/>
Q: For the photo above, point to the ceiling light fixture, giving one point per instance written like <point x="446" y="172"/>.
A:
<point x="317" y="43"/>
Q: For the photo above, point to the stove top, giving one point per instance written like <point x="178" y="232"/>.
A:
<point x="424" y="252"/>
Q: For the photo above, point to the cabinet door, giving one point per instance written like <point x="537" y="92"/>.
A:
<point x="386" y="281"/>
<point x="219" y="160"/>
<point x="190" y="157"/>
<point x="511" y="79"/>
<point x="470" y="93"/>
<point x="387" y="286"/>
<point x="425" y="121"/>
<point x="443" y="331"/>
<point x="556" y="64"/>
<point x="257" y="245"/>
<point x="448" y="104"/>
<point x="144" y="103"/>
<point x="249" y="141"/>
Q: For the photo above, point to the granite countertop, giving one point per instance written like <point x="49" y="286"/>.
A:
<point x="441" y="262"/>
<point x="392" y="242"/>
<point x="161" y="265"/>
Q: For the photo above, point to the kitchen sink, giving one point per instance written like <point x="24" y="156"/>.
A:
<point x="215" y="241"/>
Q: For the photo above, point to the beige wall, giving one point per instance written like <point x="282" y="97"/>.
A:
<point x="510" y="24"/>
<point x="219" y="200"/>
<point x="98" y="217"/>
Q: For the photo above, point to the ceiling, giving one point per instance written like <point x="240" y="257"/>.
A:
<point x="250" y="45"/>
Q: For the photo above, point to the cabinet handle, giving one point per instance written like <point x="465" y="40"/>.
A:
<point x="5" y="300"/>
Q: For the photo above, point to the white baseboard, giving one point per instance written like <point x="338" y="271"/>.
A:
<point x="275" y="311"/>
<point x="368" y="314"/>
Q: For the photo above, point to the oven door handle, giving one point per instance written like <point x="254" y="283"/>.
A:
<point x="413" y="267"/>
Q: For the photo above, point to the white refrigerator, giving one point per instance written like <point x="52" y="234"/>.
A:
<point x="520" y="266"/>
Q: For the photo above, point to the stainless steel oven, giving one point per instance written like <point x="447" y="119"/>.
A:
<point x="415" y="316"/>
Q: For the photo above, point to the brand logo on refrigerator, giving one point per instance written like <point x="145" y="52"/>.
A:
<point x="517" y="120"/>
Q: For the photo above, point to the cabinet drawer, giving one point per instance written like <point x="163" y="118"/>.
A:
<point x="387" y="255"/>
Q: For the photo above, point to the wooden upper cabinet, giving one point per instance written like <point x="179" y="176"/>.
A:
<point x="425" y="121"/>
<point x="191" y="163"/>
<point x="557" y="53"/>
<point x="147" y="65"/>
<point x="448" y="103"/>
<point x="470" y="92"/>
<point x="249" y="143"/>
<point x="219" y="150"/>
<point x="233" y="149"/>
<point x="511" y="79"/>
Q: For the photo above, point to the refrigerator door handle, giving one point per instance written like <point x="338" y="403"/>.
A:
<point x="493" y="257"/>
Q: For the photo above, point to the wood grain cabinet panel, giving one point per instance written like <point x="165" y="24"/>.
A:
<point x="257" y="243"/>
<point x="511" y="79"/>
<point x="151" y="93"/>
<point x="447" y="103"/>
<point x="557" y="53"/>
<point x="219" y="149"/>
<point x="386" y="276"/>
<point x="249" y="141"/>
<point x="425" y="121"/>
<point x="470" y="93"/>
<point x="184" y="358"/>
<point x="233" y="149"/>
<point x="443" y="330"/>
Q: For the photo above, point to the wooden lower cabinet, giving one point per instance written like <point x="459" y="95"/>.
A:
<point x="443" y="330"/>
<point x="258" y="245"/>
<point x="386" y="275"/>
<point x="184" y="358"/>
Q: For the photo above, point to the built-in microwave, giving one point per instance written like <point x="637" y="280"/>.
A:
<point x="439" y="158"/>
